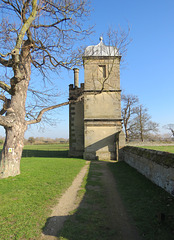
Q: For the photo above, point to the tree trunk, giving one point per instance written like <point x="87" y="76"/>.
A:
<point x="14" y="142"/>
<point x="127" y="135"/>
<point x="141" y="126"/>
<point x="12" y="150"/>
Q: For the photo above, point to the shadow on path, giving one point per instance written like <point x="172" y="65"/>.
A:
<point x="99" y="215"/>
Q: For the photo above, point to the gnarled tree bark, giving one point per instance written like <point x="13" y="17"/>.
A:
<point x="15" y="124"/>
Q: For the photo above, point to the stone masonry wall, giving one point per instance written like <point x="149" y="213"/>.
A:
<point x="155" y="165"/>
<point x="76" y="123"/>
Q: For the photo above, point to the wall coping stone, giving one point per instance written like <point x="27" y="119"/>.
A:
<point x="162" y="158"/>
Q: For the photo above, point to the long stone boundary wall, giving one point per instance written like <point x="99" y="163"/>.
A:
<point x="155" y="165"/>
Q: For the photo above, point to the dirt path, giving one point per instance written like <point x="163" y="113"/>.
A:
<point x="118" y="218"/>
<point x="66" y="204"/>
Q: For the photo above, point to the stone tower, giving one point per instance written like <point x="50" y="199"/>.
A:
<point x="95" y="122"/>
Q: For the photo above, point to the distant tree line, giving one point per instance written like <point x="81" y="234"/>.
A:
<point x="42" y="140"/>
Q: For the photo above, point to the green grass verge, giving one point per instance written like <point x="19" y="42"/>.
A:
<point x="145" y="202"/>
<point x="160" y="148"/>
<point x="26" y="200"/>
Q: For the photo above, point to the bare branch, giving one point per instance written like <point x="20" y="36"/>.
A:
<point x="25" y="27"/>
<point x="6" y="63"/>
<point x="9" y="119"/>
<point x="128" y="110"/>
<point x="14" y="8"/>
<point x="39" y="117"/>
<point x="120" y="38"/>
<point x="170" y="127"/>
<point x="3" y="98"/>
<point x="2" y="111"/>
<point x="50" y="25"/>
<point x="45" y="93"/>
<point x="25" y="19"/>
<point x="5" y="87"/>
<point x="5" y="55"/>
<point x="6" y="104"/>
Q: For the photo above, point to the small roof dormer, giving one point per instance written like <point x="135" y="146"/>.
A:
<point x="101" y="50"/>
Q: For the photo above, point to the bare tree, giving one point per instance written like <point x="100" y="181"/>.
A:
<point x="170" y="127"/>
<point x="129" y="103"/>
<point x="40" y="34"/>
<point x="31" y="140"/>
<point x="120" y="39"/>
<point x="141" y="124"/>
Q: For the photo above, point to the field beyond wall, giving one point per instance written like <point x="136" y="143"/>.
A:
<point x="166" y="148"/>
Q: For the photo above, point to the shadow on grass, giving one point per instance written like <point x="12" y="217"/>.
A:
<point x="90" y="220"/>
<point x="45" y="153"/>
<point x="144" y="201"/>
<point x="151" y="207"/>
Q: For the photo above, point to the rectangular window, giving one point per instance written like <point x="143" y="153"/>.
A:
<point x="102" y="71"/>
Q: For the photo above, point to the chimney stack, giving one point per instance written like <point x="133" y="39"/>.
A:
<point x="76" y="77"/>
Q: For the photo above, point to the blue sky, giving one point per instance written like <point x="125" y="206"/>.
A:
<point x="149" y="72"/>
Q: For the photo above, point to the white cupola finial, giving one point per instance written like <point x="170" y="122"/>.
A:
<point x="101" y="50"/>
<point x="101" y="39"/>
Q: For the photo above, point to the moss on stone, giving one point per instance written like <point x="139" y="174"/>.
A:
<point x="162" y="158"/>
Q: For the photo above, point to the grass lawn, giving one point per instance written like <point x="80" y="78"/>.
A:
<point x="47" y="147"/>
<point x="149" y="205"/>
<point x="25" y="200"/>
<point x="160" y="148"/>
<point x="51" y="150"/>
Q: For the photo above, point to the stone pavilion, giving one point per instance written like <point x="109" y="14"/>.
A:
<point x="95" y="121"/>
